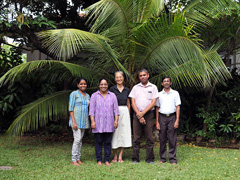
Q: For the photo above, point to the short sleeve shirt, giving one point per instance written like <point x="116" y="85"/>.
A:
<point x="144" y="95"/>
<point x="104" y="111"/>
<point x="121" y="96"/>
<point x="79" y="105"/>
<point x="168" y="101"/>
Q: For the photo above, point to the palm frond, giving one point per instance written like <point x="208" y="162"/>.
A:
<point x="156" y="32"/>
<point x="170" y="47"/>
<point x="39" y="112"/>
<point x="65" y="43"/>
<point x="197" y="75"/>
<point x="21" y="71"/>
<point x="202" y="12"/>
<point x="114" y="17"/>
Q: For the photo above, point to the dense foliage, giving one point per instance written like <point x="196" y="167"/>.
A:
<point x="122" y="36"/>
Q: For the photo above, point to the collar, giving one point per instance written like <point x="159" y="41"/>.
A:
<point x="100" y="93"/>
<point x="115" y="87"/>
<point x="171" y="90"/>
<point x="148" y="84"/>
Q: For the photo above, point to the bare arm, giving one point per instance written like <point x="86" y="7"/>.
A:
<point x="74" y="124"/>
<point x="134" y="106"/>
<point x="116" y="121"/>
<point x="157" y="118"/>
<point x="176" y="124"/>
<point x="93" y="124"/>
<point x="150" y="106"/>
<point x="129" y="106"/>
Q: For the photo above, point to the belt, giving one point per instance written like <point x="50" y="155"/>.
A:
<point x="168" y="115"/>
<point x="150" y="111"/>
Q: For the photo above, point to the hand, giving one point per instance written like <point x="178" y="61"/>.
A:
<point x="176" y="124"/>
<point x="158" y="126"/>
<point x="142" y="121"/>
<point x="115" y="124"/>
<point x="93" y="125"/>
<point x="74" y="126"/>
<point x="139" y="115"/>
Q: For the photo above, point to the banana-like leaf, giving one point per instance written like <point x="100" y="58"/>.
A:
<point x="38" y="113"/>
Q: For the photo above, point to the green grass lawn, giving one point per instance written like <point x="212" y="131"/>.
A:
<point x="36" y="159"/>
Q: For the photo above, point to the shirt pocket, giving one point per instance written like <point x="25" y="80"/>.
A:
<point x="149" y="94"/>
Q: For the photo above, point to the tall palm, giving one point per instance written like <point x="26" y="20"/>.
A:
<point x="128" y="35"/>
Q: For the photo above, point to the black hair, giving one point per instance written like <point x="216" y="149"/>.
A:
<point x="79" y="79"/>
<point x="142" y="70"/>
<point x="165" y="77"/>
<point x="103" y="79"/>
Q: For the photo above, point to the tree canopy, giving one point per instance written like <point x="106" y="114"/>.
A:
<point x="126" y="35"/>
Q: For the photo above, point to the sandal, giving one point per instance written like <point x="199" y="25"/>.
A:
<point x="114" y="160"/>
<point x="120" y="161"/>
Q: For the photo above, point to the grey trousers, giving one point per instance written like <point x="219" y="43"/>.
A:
<point x="167" y="130"/>
<point x="77" y="144"/>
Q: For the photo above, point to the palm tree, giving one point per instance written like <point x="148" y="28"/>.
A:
<point x="127" y="35"/>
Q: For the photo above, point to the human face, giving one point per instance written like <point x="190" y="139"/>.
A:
<point x="119" y="78"/>
<point x="103" y="86"/>
<point x="82" y="85"/>
<point x="143" y="77"/>
<point x="166" y="83"/>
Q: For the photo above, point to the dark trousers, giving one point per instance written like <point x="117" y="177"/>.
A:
<point x="138" y="128"/>
<point x="103" y="138"/>
<point x="167" y="130"/>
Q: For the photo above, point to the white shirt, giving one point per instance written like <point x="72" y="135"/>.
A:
<point x="168" y="101"/>
<point x="144" y="95"/>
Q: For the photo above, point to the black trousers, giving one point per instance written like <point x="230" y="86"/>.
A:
<point x="103" y="138"/>
<point x="138" y="128"/>
<point x="167" y="130"/>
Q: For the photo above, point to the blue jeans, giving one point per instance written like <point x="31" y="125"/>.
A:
<point x="103" y="138"/>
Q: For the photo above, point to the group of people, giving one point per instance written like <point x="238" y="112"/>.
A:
<point x="109" y="111"/>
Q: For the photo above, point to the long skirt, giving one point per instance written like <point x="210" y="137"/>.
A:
<point x="122" y="135"/>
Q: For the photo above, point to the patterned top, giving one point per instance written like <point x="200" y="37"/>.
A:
<point x="103" y="110"/>
<point x="79" y="105"/>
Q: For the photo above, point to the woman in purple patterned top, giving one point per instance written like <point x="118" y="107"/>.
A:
<point x="104" y="114"/>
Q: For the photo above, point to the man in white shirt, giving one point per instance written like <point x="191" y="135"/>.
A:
<point x="167" y="120"/>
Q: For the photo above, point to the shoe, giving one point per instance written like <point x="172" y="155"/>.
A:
<point x="120" y="161"/>
<point x="134" y="162"/>
<point x="99" y="163"/>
